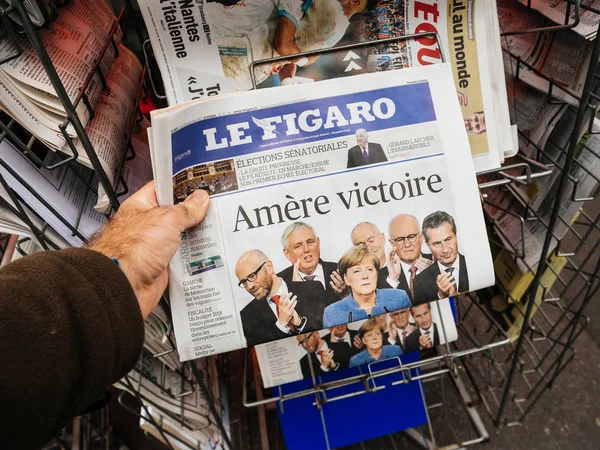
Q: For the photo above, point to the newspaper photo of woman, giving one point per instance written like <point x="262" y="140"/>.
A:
<point x="371" y="335"/>
<point x="359" y="267"/>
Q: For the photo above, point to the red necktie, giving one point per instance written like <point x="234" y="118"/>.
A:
<point x="403" y="337"/>
<point x="413" y="274"/>
<point x="275" y="300"/>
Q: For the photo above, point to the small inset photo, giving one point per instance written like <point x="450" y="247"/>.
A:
<point x="214" y="177"/>
<point x="204" y="265"/>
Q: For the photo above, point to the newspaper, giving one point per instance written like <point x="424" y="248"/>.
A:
<point x="533" y="112"/>
<point x="556" y="10"/>
<point x="507" y="205"/>
<point x="230" y="36"/>
<point x="352" y="345"/>
<point x="65" y="191"/>
<point x="291" y="173"/>
<point x="74" y="42"/>
<point x="40" y="12"/>
<point x="564" y="56"/>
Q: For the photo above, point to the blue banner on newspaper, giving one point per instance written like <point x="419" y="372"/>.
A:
<point x="298" y="123"/>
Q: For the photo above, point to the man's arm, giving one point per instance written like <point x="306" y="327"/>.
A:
<point x="285" y="44"/>
<point x="72" y="320"/>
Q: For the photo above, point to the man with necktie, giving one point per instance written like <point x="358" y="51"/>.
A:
<point x="406" y="261"/>
<point x="344" y="342"/>
<point x="278" y="309"/>
<point x="302" y="248"/>
<point x="365" y="152"/>
<point x="448" y="276"/>
<point x="324" y="358"/>
<point x="427" y="335"/>
<point x="400" y="328"/>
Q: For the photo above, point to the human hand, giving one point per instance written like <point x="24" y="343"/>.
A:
<point x="296" y="271"/>
<point x="357" y="341"/>
<point x="327" y="358"/>
<point x="425" y="341"/>
<point x="287" y="309"/>
<point x="144" y="237"/>
<point x="446" y="285"/>
<point x="337" y="282"/>
<point x="463" y="99"/>
<point x="393" y="265"/>
<point x="288" y="70"/>
<point x="392" y="332"/>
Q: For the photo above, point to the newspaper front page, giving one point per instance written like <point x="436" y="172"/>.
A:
<point x="230" y="36"/>
<point x="292" y="173"/>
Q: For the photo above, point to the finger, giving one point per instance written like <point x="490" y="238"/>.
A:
<point x="143" y="199"/>
<point x="293" y="305"/>
<point x="192" y="210"/>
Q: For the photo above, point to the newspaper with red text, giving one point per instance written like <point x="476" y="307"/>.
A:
<point x="205" y="48"/>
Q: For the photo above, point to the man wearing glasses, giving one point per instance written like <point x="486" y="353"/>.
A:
<point x="406" y="261"/>
<point x="449" y="275"/>
<point x="278" y="309"/>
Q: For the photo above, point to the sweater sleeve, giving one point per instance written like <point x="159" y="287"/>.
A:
<point x="70" y="325"/>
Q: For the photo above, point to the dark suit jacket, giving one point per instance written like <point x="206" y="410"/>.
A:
<point x="426" y="289"/>
<point x="259" y="322"/>
<point x="328" y="296"/>
<point x="356" y="157"/>
<point x="402" y="283"/>
<point x="412" y="340"/>
<point x="316" y="364"/>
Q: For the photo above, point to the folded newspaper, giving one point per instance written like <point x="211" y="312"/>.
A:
<point x="206" y="48"/>
<point x="305" y="185"/>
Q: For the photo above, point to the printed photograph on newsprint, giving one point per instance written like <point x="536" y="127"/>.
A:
<point x="230" y="35"/>
<point x="327" y="206"/>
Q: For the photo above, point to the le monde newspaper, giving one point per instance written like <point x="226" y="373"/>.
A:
<point x="330" y="203"/>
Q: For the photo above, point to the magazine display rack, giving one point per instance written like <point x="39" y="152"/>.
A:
<point x="506" y="375"/>
<point x="25" y="142"/>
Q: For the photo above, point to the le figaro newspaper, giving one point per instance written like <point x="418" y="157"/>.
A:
<point x="205" y="48"/>
<point x="329" y="205"/>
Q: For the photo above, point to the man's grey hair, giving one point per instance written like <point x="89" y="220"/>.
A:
<point x="437" y="219"/>
<point x="363" y="131"/>
<point x="293" y="227"/>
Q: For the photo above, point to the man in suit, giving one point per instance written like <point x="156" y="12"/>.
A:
<point x="323" y="357"/>
<point x="406" y="261"/>
<point x="448" y="276"/>
<point x="278" y="309"/>
<point x="344" y="342"/>
<point x="302" y="248"/>
<point x="400" y="328"/>
<point x="426" y="336"/>
<point x="367" y="234"/>
<point x="365" y="152"/>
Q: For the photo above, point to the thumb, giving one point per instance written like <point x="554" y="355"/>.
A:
<point x="192" y="210"/>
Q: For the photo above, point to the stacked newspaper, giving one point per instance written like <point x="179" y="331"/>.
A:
<point x="505" y="205"/>
<point x="40" y="12"/>
<point x="313" y="190"/>
<point x="563" y="11"/>
<point x="563" y="56"/>
<point x="74" y="43"/>
<point x="207" y="48"/>
<point x="64" y="190"/>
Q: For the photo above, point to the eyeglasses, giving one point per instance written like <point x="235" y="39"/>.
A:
<point x="400" y="240"/>
<point x="251" y="277"/>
